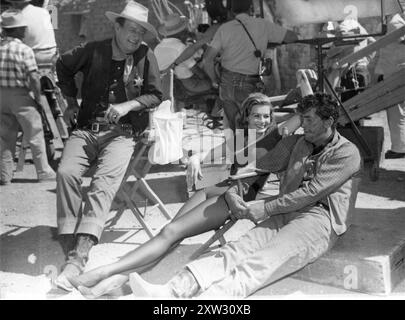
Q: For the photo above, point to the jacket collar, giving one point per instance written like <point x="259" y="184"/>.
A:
<point x="336" y="141"/>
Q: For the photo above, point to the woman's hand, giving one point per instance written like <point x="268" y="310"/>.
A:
<point x="194" y="170"/>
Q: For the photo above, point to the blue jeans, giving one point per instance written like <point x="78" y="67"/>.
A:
<point x="233" y="90"/>
<point x="110" y="152"/>
<point x="277" y="247"/>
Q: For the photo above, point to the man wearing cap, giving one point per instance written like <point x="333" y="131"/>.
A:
<point x="175" y="31"/>
<point x="39" y="34"/>
<point x="121" y="83"/>
<point x="18" y="75"/>
<point x="240" y="66"/>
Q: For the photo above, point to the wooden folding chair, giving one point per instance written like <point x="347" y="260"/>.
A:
<point x="138" y="169"/>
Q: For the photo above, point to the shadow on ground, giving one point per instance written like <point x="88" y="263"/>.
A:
<point x="36" y="251"/>
<point x="389" y="184"/>
<point x="32" y="252"/>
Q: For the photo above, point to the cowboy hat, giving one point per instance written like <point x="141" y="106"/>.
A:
<point x="172" y="24"/>
<point x="12" y="19"/>
<point x="136" y="12"/>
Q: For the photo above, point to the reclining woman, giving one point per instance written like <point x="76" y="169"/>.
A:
<point x="205" y="211"/>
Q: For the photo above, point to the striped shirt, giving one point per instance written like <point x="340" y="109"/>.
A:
<point x="17" y="61"/>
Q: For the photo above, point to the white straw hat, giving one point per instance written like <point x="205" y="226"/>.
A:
<point x="135" y="12"/>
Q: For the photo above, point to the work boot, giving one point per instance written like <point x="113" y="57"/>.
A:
<point x="67" y="242"/>
<point x="76" y="260"/>
<point x="80" y="253"/>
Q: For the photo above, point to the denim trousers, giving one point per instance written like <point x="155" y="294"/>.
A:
<point x="277" y="247"/>
<point x="234" y="88"/>
<point x="18" y="110"/>
<point x="109" y="152"/>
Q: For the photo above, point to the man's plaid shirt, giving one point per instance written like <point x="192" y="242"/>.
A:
<point x="17" y="60"/>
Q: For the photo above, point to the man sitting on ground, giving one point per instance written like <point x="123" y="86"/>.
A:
<point x="314" y="208"/>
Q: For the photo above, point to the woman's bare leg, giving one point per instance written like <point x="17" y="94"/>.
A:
<point x="208" y="215"/>
<point x="200" y="196"/>
<point x="197" y="198"/>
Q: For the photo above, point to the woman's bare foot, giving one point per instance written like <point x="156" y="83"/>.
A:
<point x="113" y="286"/>
<point x="89" y="279"/>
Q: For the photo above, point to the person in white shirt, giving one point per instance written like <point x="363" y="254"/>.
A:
<point x="39" y="35"/>
<point x="175" y="31"/>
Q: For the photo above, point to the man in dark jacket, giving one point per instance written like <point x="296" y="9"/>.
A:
<point x="120" y="83"/>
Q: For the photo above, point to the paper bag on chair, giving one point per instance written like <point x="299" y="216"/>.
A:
<point x="168" y="134"/>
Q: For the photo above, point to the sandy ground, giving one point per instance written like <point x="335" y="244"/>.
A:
<point x="30" y="255"/>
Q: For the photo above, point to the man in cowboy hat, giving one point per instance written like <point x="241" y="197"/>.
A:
<point x="175" y="31"/>
<point x="18" y="75"/>
<point x="121" y="82"/>
<point x="39" y="34"/>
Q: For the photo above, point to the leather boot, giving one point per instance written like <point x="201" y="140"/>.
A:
<point x="67" y="242"/>
<point x="80" y="254"/>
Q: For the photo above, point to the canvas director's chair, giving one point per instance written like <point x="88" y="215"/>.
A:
<point x="134" y="179"/>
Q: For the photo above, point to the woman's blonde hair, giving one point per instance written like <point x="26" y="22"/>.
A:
<point x="252" y="100"/>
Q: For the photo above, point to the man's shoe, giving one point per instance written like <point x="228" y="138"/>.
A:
<point x="394" y="155"/>
<point x="46" y="177"/>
